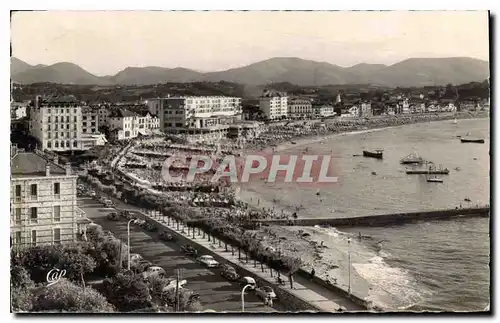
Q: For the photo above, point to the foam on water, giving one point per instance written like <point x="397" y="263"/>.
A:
<point x="392" y="287"/>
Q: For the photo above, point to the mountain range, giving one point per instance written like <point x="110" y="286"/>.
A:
<point x="410" y="72"/>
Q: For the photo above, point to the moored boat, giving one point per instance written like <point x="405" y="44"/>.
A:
<point x="472" y="140"/>
<point x="412" y="159"/>
<point x="378" y="153"/>
<point x="434" y="179"/>
<point x="429" y="171"/>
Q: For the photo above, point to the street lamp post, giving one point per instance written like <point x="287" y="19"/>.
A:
<point x="243" y="297"/>
<point x="349" y="264"/>
<point x="128" y="243"/>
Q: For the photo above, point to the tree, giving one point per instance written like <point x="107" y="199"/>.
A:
<point x="39" y="260"/>
<point x="292" y="264"/>
<point x="76" y="262"/>
<point x="66" y="296"/>
<point x="20" y="287"/>
<point x="127" y="292"/>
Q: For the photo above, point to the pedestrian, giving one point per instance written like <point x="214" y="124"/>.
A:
<point x="313" y="272"/>
<point x="270" y="301"/>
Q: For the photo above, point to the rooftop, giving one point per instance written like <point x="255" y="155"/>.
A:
<point x="122" y="113"/>
<point x="26" y="164"/>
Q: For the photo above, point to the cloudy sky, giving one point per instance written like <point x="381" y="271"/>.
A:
<point x="106" y="42"/>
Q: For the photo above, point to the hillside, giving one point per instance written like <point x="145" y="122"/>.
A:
<point x="410" y="72"/>
<point x="154" y="75"/>
<point x="62" y="73"/>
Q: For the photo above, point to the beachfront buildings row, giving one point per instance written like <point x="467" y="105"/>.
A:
<point x="65" y="124"/>
<point x="43" y="205"/>
<point x="196" y="114"/>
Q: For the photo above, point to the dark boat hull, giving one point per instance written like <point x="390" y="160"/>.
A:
<point x="378" y="155"/>
<point x="428" y="172"/>
<point x="477" y="141"/>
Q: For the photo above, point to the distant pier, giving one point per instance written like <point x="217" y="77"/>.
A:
<point x="385" y="219"/>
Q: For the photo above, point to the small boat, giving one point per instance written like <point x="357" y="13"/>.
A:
<point x="378" y="153"/>
<point x="434" y="179"/>
<point x="428" y="171"/>
<point x="374" y="173"/>
<point x="472" y="140"/>
<point x="412" y="159"/>
<point x="467" y="199"/>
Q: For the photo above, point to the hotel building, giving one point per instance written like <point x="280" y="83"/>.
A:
<point x="196" y="114"/>
<point x="43" y="201"/>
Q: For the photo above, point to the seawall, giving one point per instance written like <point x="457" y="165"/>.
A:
<point x="385" y="219"/>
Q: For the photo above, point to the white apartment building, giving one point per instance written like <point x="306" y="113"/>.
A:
<point x="196" y="114"/>
<point x="300" y="108"/>
<point x="323" y="111"/>
<point x="43" y="201"/>
<point x="274" y="105"/>
<point x="124" y="124"/>
<point x="57" y="123"/>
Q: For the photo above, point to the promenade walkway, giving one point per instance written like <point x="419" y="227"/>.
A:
<point x="322" y="298"/>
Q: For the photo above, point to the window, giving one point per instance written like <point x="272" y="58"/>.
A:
<point x="48" y="128"/>
<point x="18" y="215"/>
<point x="34" y="191"/>
<point x="67" y="134"/>
<point x="67" y="119"/>
<point x="57" y="236"/>
<point x="74" y="119"/>
<point x="48" y="135"/>
<point x="33" y="237"/>
<point x="56" y="143"/>
<point x="57" y="188"/>
<point x="49" y="144"/>
<point x="48" y="111"/>
<point x="92" y="124"/>
<point x="84" y="118"/>
<point x="74" y="134"/>
<point x="18" y="237"/>
<point x="48" y="119"/>
<point x="67" y="110"/>
<point x="57" y="213"/>
<point x="67" y="142"/>
<point x="18" y="193"/>
<point x="74" y="143"/>
<point x="67" y="126"/>
<point x="34" y="215"/>
<point x="74" y="127"/>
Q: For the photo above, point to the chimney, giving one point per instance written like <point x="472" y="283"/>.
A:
<point x="68" y="169"/>
<point x="47" y="169"/>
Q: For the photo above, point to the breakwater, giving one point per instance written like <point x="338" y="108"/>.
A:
<point x="385" y="219"/>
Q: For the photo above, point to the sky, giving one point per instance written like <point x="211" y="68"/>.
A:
<point x="105" y="42"/>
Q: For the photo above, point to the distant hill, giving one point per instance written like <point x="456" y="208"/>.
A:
<point x="63" y="73"/>
<point x="18" y="66"/>
<point x="155" y="75"/>
<point x="410" y="72"/>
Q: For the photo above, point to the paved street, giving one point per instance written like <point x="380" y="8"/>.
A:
<point x="216" y="293"/>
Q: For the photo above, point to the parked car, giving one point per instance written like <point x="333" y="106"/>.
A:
<point x="208" y="261"/>
<point x="265" y="292"/>
<point x="248" y="281"/>
<point x="150" y="227"/>
<point x="189" y="250"/>
<point x="165" y="236"/>
<point x="229" y="273"/>
<point x="113" y="216"/>
<point x="173" y="284"/>
<point x="125" y="214"/>
<point x="108" y="203"/>
<point x="153" y="271"/>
